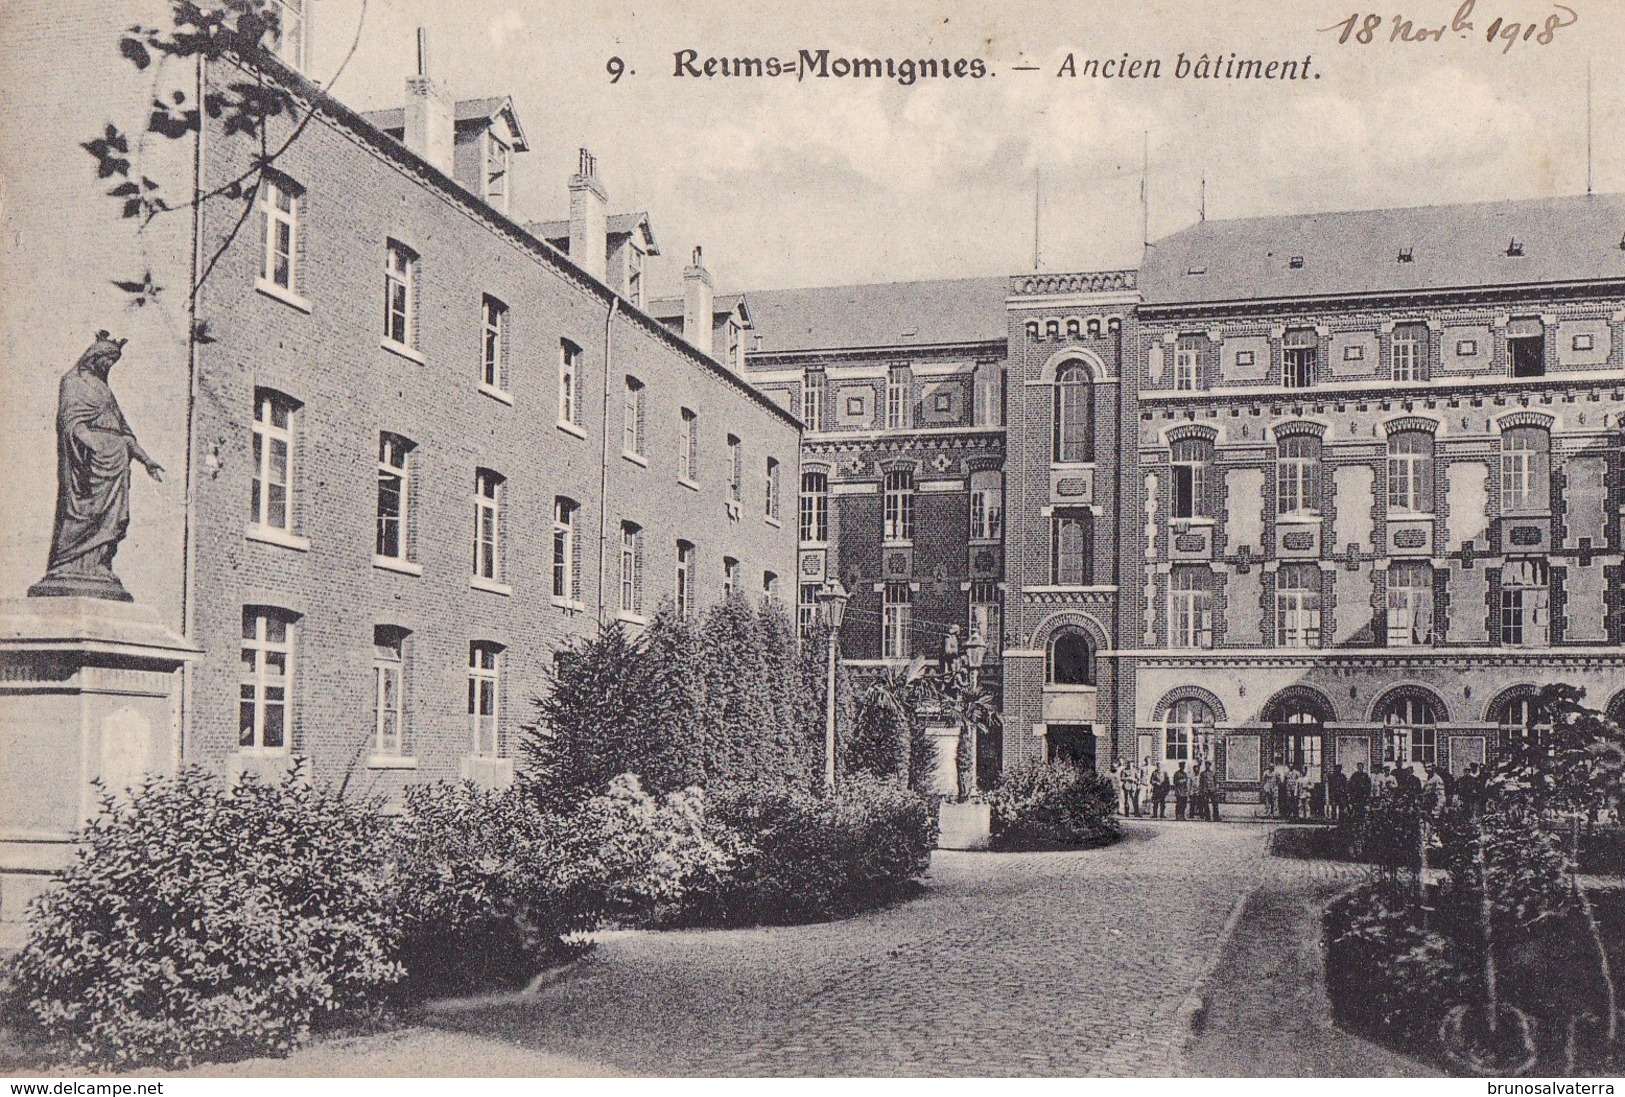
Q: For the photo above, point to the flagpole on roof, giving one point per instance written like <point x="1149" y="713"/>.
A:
<point x="1145" y="199"/>
<point x="1038" y="199"/>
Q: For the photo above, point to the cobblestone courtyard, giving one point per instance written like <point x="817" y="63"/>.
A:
<point x="1031" y="964"/>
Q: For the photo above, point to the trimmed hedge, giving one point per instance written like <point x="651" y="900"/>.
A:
<point x="1043" y="804"/>
<point x="204" y="922"/>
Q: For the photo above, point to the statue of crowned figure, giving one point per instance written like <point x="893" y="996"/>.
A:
<point x="94" y="449"/>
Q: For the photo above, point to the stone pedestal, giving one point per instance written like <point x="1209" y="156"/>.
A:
<point x="89" y="688"/>
<point x="964" y="826"/>
<point x="945" y="762"/>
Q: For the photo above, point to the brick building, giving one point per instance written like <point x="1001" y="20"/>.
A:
<point x="1371" y="500"/>
<point x="1380" y="482"/>
<point x="901" y="391"/>
<point x="420" y="448"/>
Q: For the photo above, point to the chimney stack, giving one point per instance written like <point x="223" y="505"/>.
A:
<point x="429" y="126"/>
<point x="589" y="219"/>
<point x="698" y="297"/>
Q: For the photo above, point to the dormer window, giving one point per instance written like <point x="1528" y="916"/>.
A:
<point x="1406" y="255"/>
<point x="288" y="40"/>
<point x="496" y="172"/>
<point x="634" y="276"/>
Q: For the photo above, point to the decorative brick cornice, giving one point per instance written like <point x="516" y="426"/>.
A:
<point x="1513" y="419"/>
<point x="1201" y="431"/>
<point x="1053" y="285"/>
<point x="1410" y="422"/>
<point x="1189" y="693"/>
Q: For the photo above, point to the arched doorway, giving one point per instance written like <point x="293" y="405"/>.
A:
<point x="1297" y="737"/>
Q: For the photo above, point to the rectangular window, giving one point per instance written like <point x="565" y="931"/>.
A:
<point x="688" y="446"/>
<point x="287" y="40"/>
<point x="986" y="506"/>
<point x="266" y="681"/>
<point x="1407" y="353"/>
<point x="632" y="417"/>
<point x="1297" y="606"/>
<point x="487" y="525"/>
<point x="494" y="344"/>
<point x="1300" y="360"/>
<point x="1072" y="549"/>
<point x="1528" y="355"/>
<point x="684" y="592"/>
<point x="770" y="584"/>
<point x="986" y="616"/>
<point x="631" y="568"/>
<point x="569" y="383"/>
<point x="771" y="502"/>
<point x="1189" y="479"/>
<point x="270" y="494"/>
<point x="566" y="574"/>
<point x="730" y="577"/>
<point x="897" y="417"/>
<point x="634" y="276"/>
<point x="394" y="496"/>
<point x="814" y="507"/>
<point x="898" y="507"/>
<point x="279" y="208"/>
<point x="1525" y="603"/>
<point x="400" y="270"/>
<point x="896" y="622"/>
<point x="1187" y="369"/>
<point x="1190" y="610"/>
<point x="388" y="677"/>
<point x="485" y="697"/>
<point x="807" y="611"/>
<point x="735" y="469"/>
<point x="1410" y="604"/>
<point x="812" y="400"/>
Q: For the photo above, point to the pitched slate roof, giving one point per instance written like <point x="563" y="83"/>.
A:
<point x="888" y="314"/>
<point x="1569" y="239"/>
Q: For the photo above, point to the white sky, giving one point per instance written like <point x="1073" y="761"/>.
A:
<point x="828" y="182"/>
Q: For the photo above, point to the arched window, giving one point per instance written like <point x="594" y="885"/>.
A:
<point x="1297" y="474"/>
<point x="1409" y="720"/>
<point x="1514" y="714"/>
<point x="1071" y="660"/>
<point x="1526" y="470"/>
<point x="815" y="507"/>
<point x="1410" y="471"/>
<point x="1188" y="731"/>
<point x="1072" y="327"/>
<point x="1074" y="415"/>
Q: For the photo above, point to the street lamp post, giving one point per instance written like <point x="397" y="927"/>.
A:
<point x="975" y="652"/>
<point x="834" y="597"/>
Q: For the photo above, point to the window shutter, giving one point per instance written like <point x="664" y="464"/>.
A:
<point x="637" y="573"/>
<point x="575" y="559"/>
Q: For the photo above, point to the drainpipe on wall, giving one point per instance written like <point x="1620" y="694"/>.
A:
<point x="189" y="478"/>
<point x="603" y="462"/>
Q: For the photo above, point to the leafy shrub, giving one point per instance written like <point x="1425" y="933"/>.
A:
<point x="1524" y="868"/>
<point x="1053" y="803"/>
<point x="491" y="885"/>
<point x="200" y="921"/>
<point x="797" y="857"/>
<point x="1386" y="974"/>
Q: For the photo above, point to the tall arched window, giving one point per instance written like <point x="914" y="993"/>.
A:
<point x="1526" y="470"/>
<point x="1297" y="474"/>
<point x="1514" y="714"/>
<point x="1188" y="731"/>
<point x="1410" y="471"/>
<point x="1071" y="660"/>
<point x="1409" y="719"/>
<point x="1074" y="415"/>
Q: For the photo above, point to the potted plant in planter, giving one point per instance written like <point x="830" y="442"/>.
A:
<point x="964" y="819"/>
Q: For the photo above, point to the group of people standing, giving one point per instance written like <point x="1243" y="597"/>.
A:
<point x="1293" y="794"/>
<point x="1195" y="792"/>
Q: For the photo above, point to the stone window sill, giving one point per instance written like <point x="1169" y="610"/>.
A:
<point x="403" y="351"/>
<point x="270" y="535"/>
<point x="571" y="428"/>
<point x="490" y="586"/>
<point x="636" y="458"/>
<point x="687" y="483"/>
<point x="390" y="563"/>
<point x="774" y="522"/>
<point x="499" y="395"/>
<point x="278" y="293"/>
<point x="391" y="761"/>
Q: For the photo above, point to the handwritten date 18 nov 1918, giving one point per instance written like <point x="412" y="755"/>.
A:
<point x="1365" y="29"/>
